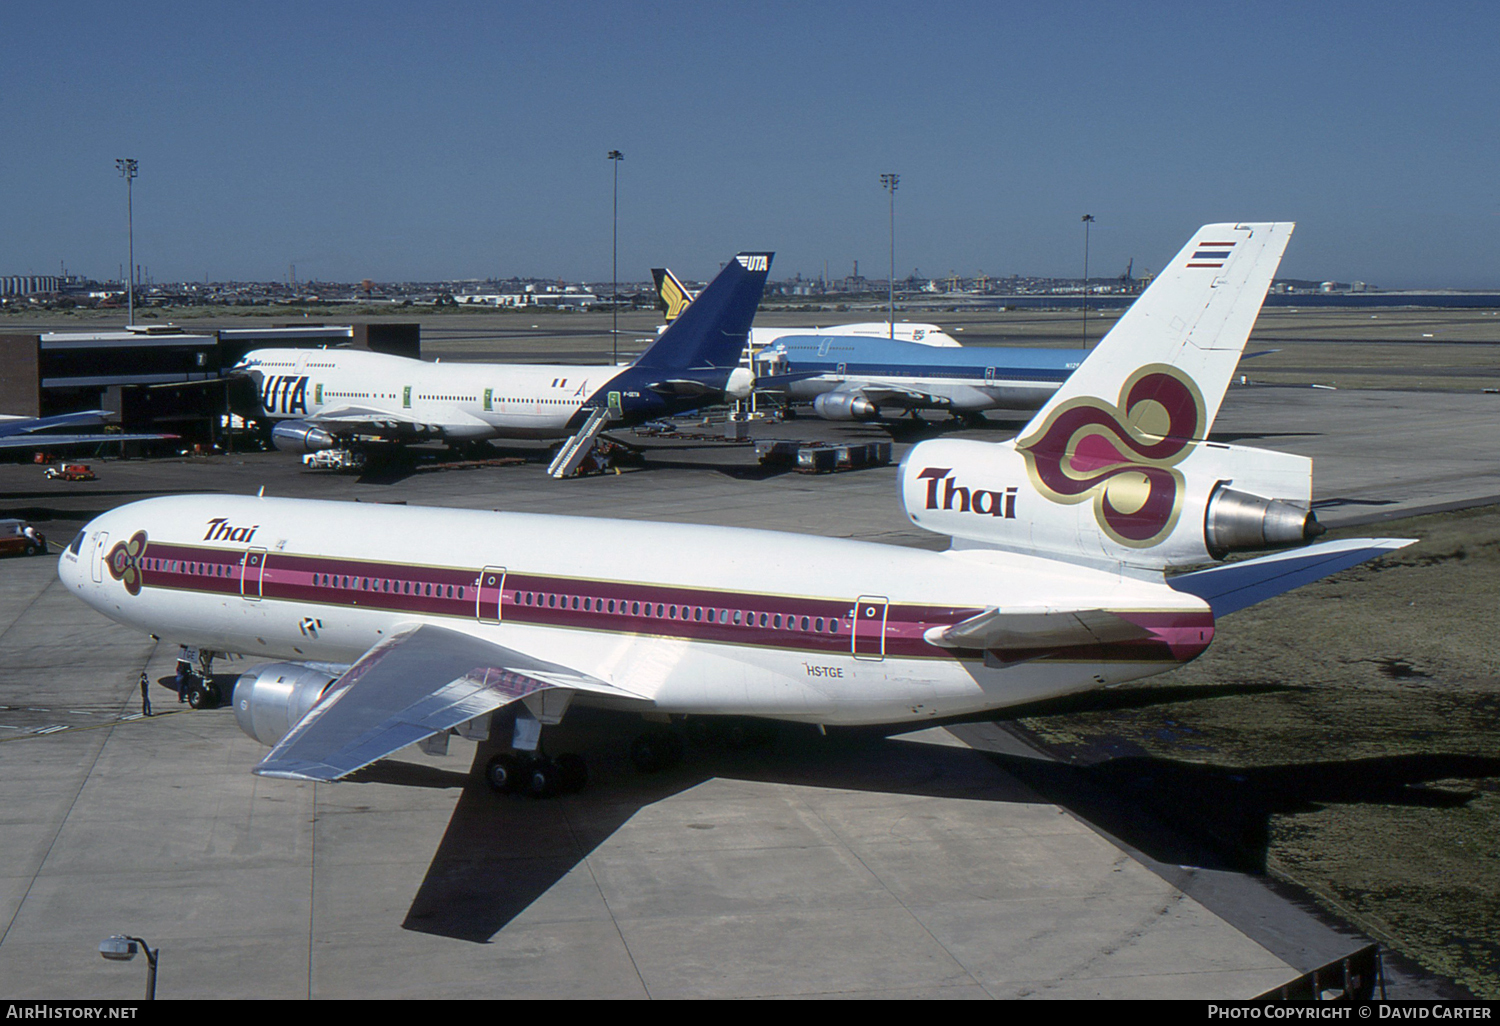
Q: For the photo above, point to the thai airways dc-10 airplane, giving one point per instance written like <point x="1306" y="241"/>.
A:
<point x="326" y="398"/>
<point x="439" y="620"/>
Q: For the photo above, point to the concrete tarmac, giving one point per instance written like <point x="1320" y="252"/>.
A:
<point x="845" y="865"/>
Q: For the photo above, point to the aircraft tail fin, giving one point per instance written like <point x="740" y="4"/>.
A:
<point x="1117" y="467"/>
<point x="1178" y="344"/>
<point x="710" y="333"/>
<point x="672" y="295"/>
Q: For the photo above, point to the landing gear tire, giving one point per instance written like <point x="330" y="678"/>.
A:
<point x="204" y="695"/>
<point x="656" y="750"/>
<point x="542" y="778"/>
<point x="504" y="773"/>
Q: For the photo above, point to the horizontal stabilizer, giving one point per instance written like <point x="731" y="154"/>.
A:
<point x="683" y="387"/>
<point x="1045" y="628"/>
<point x="1235" y="586"/>
<point x="419" y="682"/>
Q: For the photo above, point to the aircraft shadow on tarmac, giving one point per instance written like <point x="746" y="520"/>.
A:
<point x="501" y="853"/>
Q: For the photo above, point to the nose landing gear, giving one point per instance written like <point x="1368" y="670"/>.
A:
<point x="195" y="683"/>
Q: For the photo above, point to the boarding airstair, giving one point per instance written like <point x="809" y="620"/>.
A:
<point x="568" y="458"/>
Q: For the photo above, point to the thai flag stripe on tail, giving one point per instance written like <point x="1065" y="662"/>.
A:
<point x="1210" y="254"/>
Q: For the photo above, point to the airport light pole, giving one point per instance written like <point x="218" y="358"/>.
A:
<point x="122" y="948"/>
<point x="615" y="156"/>
<point x="1088" y="219"/>
<point x="127" y="166"/>
<point x="889" y="183"/>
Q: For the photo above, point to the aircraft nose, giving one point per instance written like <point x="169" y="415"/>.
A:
<point x="73" y="563"/>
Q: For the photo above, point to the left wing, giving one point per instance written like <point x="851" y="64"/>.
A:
<point x="885" y="393"/>
<point x="1038" y="628"/>
<point x="46" y="441"/>
<point x="420" y="681"/>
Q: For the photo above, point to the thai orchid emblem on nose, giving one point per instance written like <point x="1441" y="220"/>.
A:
<point x="1123" y="456"/>
<point x="125" y="561"/>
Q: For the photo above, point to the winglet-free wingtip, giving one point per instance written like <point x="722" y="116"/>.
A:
<point x="1235" y="586"/>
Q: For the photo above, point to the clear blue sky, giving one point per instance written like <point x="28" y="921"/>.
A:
<point x="400" y="141"/>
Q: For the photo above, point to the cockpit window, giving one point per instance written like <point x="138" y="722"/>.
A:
<point x="77" y="544"/>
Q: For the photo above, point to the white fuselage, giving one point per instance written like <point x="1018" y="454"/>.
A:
<point x="906" y="331"/>
<point x="457" y="401"/>
<point x="693" y="619"/>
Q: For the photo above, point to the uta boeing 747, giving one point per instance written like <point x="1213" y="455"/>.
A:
<point x="376" y="627"/>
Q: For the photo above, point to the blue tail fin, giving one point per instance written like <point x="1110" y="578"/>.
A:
<point x="711" y="331"/>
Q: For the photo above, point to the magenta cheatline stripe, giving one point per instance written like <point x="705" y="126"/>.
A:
<point x="817" y="625"/>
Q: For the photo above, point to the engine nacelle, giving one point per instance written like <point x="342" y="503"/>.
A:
<point x="844" y="406"/>
<point x="1144" y="513"/>
<point x="741" y="382"/>
<point x="300" y="436"/>
<point x="1238" y="522"/>
<point x="270" y="698"/>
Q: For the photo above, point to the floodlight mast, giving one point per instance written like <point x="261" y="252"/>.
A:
<point x="127" y="167"/>
<point x="615" y="156"/>
<point x="1088" y="219"/>
<point x="121" y="948"/>
<point x="889" y="182"/>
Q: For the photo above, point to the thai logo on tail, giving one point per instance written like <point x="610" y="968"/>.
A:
<point x="1123" y="457"/>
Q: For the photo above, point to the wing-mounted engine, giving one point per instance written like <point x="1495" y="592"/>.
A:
<point x="270" y="698"/>
<point x="300" y="436"/>
<point x="845" y="406"/>
<point x="1199" y="501"/>
<point x="740" y="384"/>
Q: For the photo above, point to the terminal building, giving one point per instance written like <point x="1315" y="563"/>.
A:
<point x="160" y="378"/>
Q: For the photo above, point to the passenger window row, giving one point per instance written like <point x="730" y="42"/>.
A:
<point x="670" y="611"/>
<point x="389" y="585"/>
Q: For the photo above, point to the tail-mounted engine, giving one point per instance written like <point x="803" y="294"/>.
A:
<point x="1206" y="502"/>
<point x="270" y="698"/>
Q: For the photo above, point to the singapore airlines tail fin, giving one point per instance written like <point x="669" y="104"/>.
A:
<point x="710" y="332"/>
<point x="672" y="295"/>
<point x="1180" y="341"/>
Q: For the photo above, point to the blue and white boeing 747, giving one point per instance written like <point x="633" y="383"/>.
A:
<point x="855" y="378"/>
<point x="858" y="371"/>
<point x="329" y="398"/>
<point x="376" y="627"/>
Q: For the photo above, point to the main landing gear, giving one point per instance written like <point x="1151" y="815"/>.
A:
<point x="195" y="683"/>
<point x="526" y="769"/>
<point x="535" y="774"/>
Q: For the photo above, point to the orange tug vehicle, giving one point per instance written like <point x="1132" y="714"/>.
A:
<point x="70" y="472"/>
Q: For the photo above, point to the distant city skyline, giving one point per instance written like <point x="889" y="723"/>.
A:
<point x="394" y="142"/>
